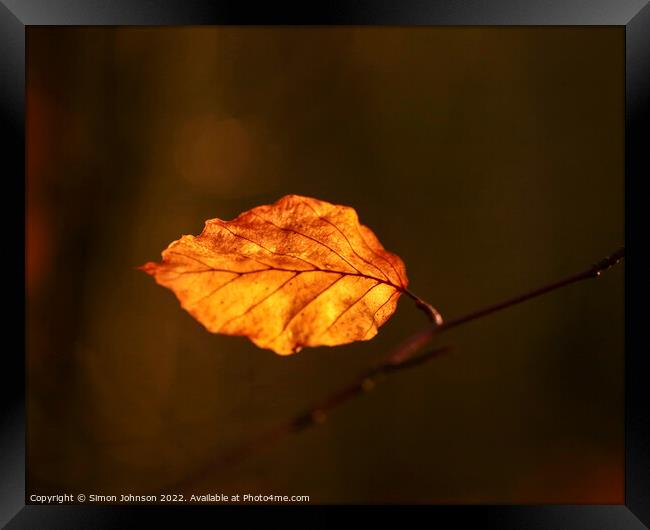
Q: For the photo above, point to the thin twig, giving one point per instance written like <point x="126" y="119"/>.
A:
<point x="402" y="357"/>
<point x="418" y="340"/>
<point x="313" y="416"/>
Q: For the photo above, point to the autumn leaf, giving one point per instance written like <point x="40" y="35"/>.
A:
<point x="300" y="272"/>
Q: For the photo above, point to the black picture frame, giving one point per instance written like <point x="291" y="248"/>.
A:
<point x="634" y="15"/>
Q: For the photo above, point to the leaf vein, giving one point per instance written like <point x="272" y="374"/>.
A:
<point x="351" y="306"/>
<point x="222" y="225"/>
<point x="374" y="322"/>
<point x="256" y="304"/>
<point x="312" y="300"/>
<point x="399" y="277"/>
<point x="322" y="218"/>
<point x="308" y="237"/>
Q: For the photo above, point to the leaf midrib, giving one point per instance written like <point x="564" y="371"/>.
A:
<point x="282" y="269"/>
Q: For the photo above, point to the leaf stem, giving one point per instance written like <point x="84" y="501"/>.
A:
<point x="432" y="313"/>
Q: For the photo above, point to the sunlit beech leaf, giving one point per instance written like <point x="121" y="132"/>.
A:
<point x="300" y="272"/>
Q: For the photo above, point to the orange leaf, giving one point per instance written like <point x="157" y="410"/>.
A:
<point x="300" y="272"/>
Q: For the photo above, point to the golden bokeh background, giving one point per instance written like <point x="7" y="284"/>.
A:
<point x="489" y="159"/>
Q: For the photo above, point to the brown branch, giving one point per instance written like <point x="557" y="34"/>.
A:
<point x="402" y="357"/>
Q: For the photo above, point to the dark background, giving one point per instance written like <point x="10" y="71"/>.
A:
<point x="489" y="159"/>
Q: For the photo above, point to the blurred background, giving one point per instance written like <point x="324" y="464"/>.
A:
<point x="489" y="159"/>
